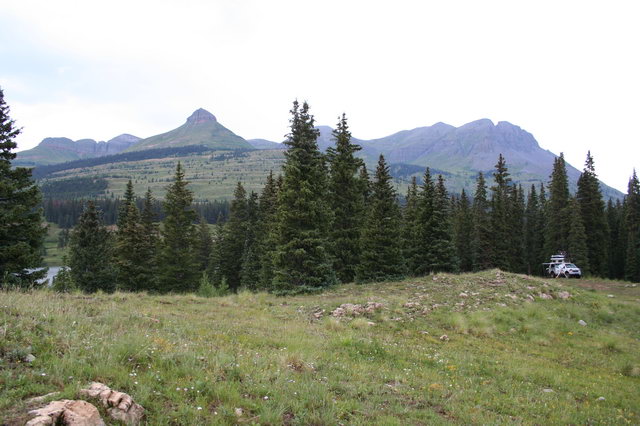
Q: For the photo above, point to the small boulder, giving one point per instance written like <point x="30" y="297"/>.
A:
<point x="564" y="295"/>
<point x="546" y="296"/>
<point x="444" y="338"/>
<point x="66" y="412"/>
<point x="547" y="390"/>
<point x="601" y="398"/>
<point x="463" y="294"/>
<point x="582" y="323"/>
<point x="29" y="358"/>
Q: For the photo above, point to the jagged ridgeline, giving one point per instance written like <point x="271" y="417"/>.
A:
<point x="215" y="158"/>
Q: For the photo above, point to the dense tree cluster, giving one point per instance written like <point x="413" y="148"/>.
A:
<point x="21" y="229"/>
<point x="324" y="221"/>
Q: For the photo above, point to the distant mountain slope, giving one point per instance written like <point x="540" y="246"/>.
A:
<point x="463" y="152"/>
<point x="265" y="144"/>
<point x="60" y="150"/>
<point x="201" y="128"/>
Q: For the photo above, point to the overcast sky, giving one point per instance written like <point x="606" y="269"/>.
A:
<point x="566" y="71"/>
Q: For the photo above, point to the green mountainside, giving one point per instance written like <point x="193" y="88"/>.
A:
<point x="60" y="150"/>
<point x="458" y="153"/>
<point x="201" y="128"/>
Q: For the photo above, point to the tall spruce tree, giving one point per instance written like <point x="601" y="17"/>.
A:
<point x="533" y="234"/>
<point x="381" y="255"/>
<point x="592" y="209"/>
<point x="250" y="267"/>
<point x="516" y="229"/>
<point x="150" y="243"/>
<point x="131" y="254"/>
<point x="481" y="243"/>
<point x="21" y="224"/>
<point x="558" y="214"/>
<point x="500" y="211"/>
<point x="463" y="233"/>
<point x="442" y="253"/>
<point x="91" y="253"/>
<point x="577" y="239"/>
<point x="346" y="199"/>
<point x="302" y="261"/>
<point x="178" y="264"/>
<point x="615" y="249"/>
<point x="632" y="230"/>
<point x="410" y="229"/>
<point x="234" y="239"/>
<point x="205" y="244"/>
<point x="266" y="233"/>
<point x="424" y="228"/>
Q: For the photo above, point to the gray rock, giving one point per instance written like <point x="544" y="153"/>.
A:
<point x="29" y="358"/>
<point x="547" y="390"/>
<point x="582" y="323"/>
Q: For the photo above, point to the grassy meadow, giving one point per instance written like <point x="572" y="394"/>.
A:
<point x="443" y="349"/>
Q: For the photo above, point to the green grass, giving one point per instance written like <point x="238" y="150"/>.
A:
<point x="53" y="254"/>
<point x="273" y="359"/>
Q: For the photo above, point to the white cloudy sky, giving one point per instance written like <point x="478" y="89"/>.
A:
<point x="566" y="71"/>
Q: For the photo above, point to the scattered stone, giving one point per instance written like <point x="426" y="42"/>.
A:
<point x="40" y="399"/>
<point x="66" y="412"/>
<point x="546" y="296"/>
<point x="610" y="295"/>
<point x="371" y="323"/>
<point x="582" y="323"/>
<point x="463" y="294"/>
<point x="239" y="412"/>
<point x="444" y="338"/>
<point x="29" y="358"/>
<point x="119" y="405"/>
<point x="529" y="287"/>
<point x="601" y="398"/>
<point x="424" y="332"/>
<point x="318" y="314"/>
<point x="512" y="296"/>
<point x="411" y="305"/>
<point x="530" y="298"/>
<point x="564" y="295"/>
<point x="547" y="390"/>
<point x="353" y="310"/>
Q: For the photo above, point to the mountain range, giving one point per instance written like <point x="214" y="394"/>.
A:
<point x="457" y="152"/>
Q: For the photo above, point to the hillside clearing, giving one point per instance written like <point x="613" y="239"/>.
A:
<point x="461" y="349"/>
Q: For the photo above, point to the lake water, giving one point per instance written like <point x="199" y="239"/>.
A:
<point x="53" y="271"/>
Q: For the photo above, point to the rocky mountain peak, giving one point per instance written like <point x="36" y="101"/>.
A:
<point x="200" y="116"/>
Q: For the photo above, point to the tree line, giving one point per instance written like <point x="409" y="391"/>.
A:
<point x="324" y="221"/>
<point x="66" y="212"/>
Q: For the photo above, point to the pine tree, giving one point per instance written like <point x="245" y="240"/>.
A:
<point x="127" y="201"/>
<point x="91" y="253"/>
<point x="442" y="254"/>
<point x="557" y="228"/>
<point x="205" y="245"/>
<point x="214" y="271"/>
<point x="21" y="225"/>
<point x="178" y="264"/>
<point x="266" y="234"/>
<point x="592" y="209"/>
<point x="632" y="225"/>
<point x="234" y="239"/>
<point x="543" y="220"/>
<point x="577" y="238"/>
<point x="410" y="229"/>
<point x="150" y="243"/>
<point x="463" y="233"/>
<point x="499" y="216"/>
<point x="615" y="248"/>
<point x="346" y="200"/>
<point x="482" y="248"/>
<point x="250" y="266"/>
<point x="422" y="262"/>
<point x="516" y="229"/>
<point x="130" y="255"/>
<point x="381" y="255"/>
<point x="533" y="234"/>
<point x="302" y="261"/>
